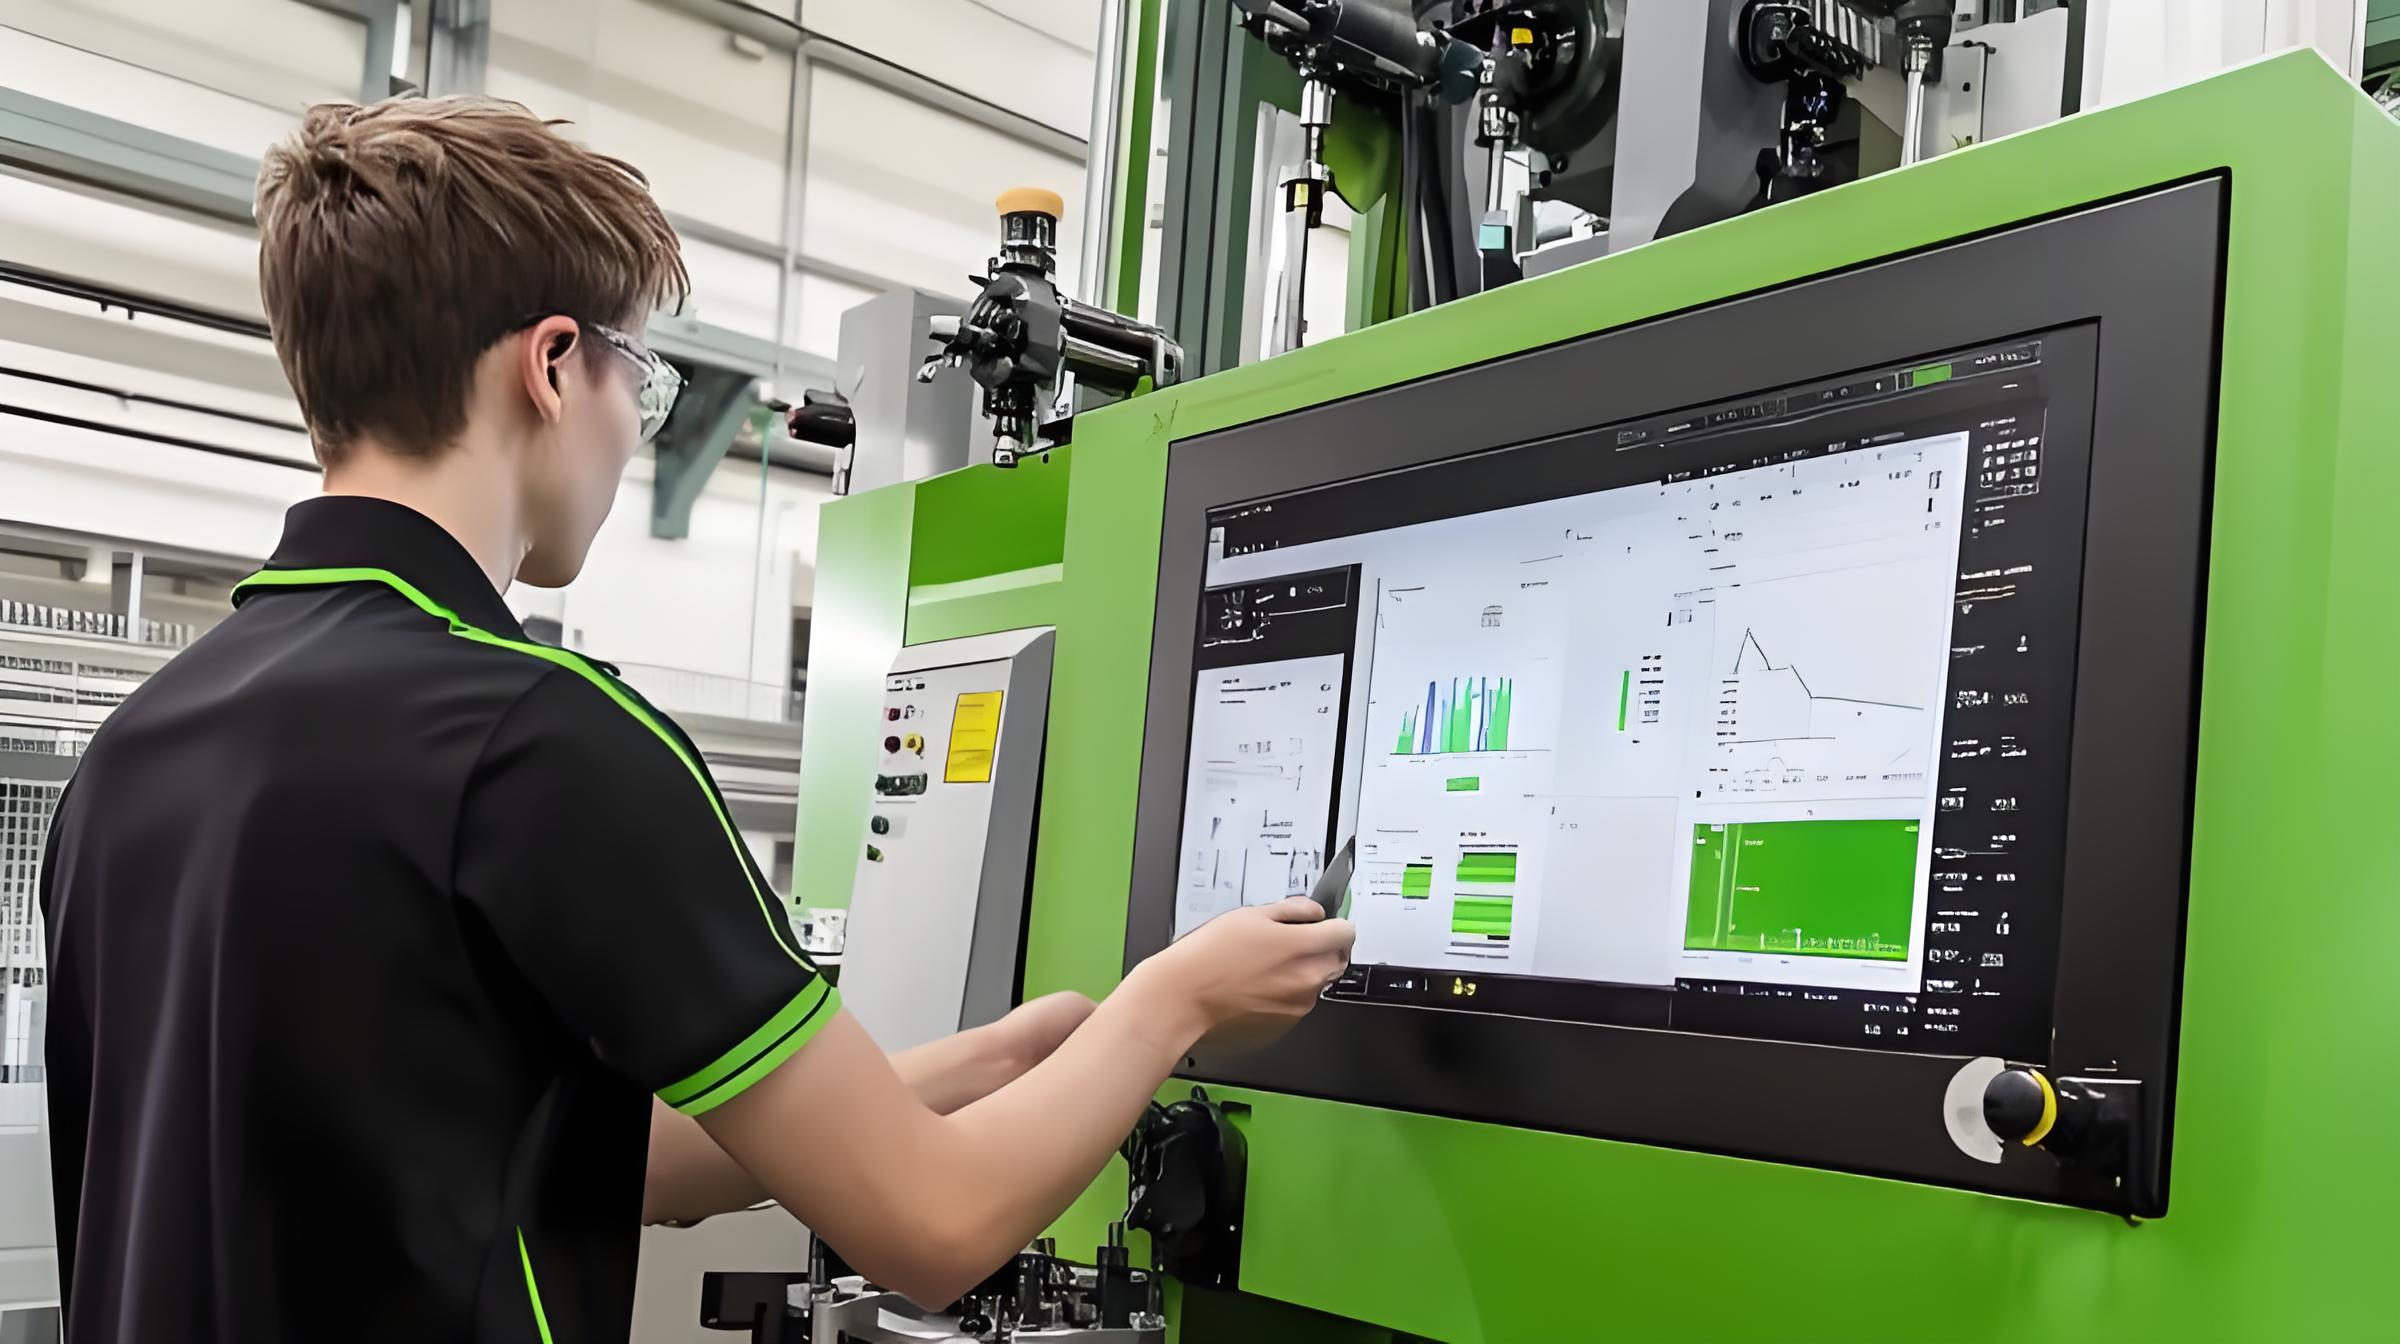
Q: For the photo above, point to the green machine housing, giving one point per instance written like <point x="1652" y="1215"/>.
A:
<point x="2278" y="997"/>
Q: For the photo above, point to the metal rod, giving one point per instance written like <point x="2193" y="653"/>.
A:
<point x="1912" y="130"/>
<point x="1912" y="133"/>
<point x="1300" y="213"/>
<point x="1106" y="153"/>
<point x="1094" y="359"/>
<point x="1495" y="180"/>
<point x="1291" y="292"/>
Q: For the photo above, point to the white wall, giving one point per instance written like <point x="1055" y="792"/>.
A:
<point x="53" y="227"/>
<point x="905" y="191"/>
<point x="87" y="481"/>
<point x="2138" y="47"/>
<point x="699" y="603"/>
<point x="662" y="88"/>
<point x="195" y="68"/>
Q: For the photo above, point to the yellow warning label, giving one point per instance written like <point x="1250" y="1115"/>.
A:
<point x="974" y="732"/>
<point x="1520" y="37"/>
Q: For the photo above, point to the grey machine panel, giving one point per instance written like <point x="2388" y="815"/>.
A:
<point x="937" y="915"/>
<point x="907" y="430"/>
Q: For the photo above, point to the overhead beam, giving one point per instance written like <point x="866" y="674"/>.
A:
<point x="135" y="161"/>
<point x="118" y="156"/>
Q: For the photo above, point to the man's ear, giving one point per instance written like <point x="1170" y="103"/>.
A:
<point x="541" y="349"/>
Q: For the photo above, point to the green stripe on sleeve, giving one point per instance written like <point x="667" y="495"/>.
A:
<point x="777" y="928"/>
<point x="732" y="1073"/>
<point x="533" y="1292"/>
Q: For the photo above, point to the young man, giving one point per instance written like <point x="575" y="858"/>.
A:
<point x="371" y="922"/>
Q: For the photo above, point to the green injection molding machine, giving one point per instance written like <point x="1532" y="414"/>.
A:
<point x="1863" y="726"/>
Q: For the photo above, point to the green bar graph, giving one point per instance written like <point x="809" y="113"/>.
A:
<point x="1416" y="881"/>
<point x="1464" y="714"/>
<point x="1624" y="699"/>
<point x="1463" y="784"/>
<point x="1808" y="888"/>
<point x="1481" y="916"/>
<point x="1487" y="867"/>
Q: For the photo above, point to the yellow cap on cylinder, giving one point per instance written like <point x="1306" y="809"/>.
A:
<point x="1018" y="200"/>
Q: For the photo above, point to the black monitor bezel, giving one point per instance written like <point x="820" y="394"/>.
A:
<point x="2148" y="271"/>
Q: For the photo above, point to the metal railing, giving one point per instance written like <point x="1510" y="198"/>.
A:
<point x="682" y="691"/>
<point x="25" y="808"/>
<point x="65" y="681"/>
<point x="58" y="620"/>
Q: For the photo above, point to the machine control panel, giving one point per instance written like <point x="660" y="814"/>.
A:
<point x="937" y="909"/>
<point x="1791" y="697"/>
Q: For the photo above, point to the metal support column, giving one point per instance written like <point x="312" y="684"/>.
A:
<point x="691" y="444"/>
<point x="125" y="590"/>
<point x="457" y="46"/>
<point x="382" y="18"/>
<point x="1217" y="78"/>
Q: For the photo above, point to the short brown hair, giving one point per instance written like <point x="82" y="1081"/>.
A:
<point x="398" y="241"/>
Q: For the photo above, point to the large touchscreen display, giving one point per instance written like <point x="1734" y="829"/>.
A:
<point x="1767" y="739"/>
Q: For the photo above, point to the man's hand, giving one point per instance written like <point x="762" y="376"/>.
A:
<point x="1247" y="976"/>
<point x="928" y="1203"/>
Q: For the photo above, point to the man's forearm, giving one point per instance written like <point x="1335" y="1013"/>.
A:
<point x="1057" y="1126"/>
<point x="926" y="1204"/>
<point x="689" y="1177"/>
<point x="957" y="1071"/>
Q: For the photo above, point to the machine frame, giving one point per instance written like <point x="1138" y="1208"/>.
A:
<point x="2131" y="398"/>
<point x="1361" y="1221"/>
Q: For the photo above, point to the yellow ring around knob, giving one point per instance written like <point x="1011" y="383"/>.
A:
<point x="2049" y="1109"/>
<point x="1017" y="200"/>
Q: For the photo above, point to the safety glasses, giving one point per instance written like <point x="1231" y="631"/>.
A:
<point x="660" y="382"/>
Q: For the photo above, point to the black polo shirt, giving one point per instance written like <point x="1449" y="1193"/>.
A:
<point x="371" y="926"/>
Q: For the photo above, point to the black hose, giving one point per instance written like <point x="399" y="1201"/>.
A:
<point x="1441" y="248"/>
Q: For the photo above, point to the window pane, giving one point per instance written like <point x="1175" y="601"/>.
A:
<point x="1030" y="56"/>
<point x="923" y="217"/>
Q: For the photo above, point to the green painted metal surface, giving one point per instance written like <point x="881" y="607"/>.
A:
<point x="2281" y="1215"/>
<point x="1131" y="228"/>
<point x="856" y="622"/>
<point x="1008" y="601"/>
<point x="985" y="521"/>
<point x="965" y="553"/>
<point x="2279" y="1227"/>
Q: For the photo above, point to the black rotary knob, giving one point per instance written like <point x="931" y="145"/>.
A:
<point x="2021" y="1106"/>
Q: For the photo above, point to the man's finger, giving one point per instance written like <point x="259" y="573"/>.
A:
<point x="1336" y="935"/>
<point x="1296" y="910"/>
